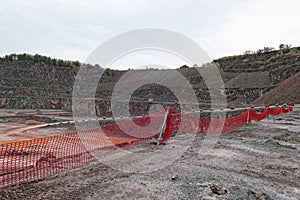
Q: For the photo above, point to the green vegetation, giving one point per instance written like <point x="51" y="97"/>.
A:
<point x="284" y="49"/>
<point x="184" y="67"/>
<point x="259" y="51"/>
<point x="265" y="50"/>
<point x="248" y="52"/>
<point x="109" y="72"/>
<point x="40" y="58"/>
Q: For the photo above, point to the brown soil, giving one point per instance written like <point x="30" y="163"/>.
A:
<point x="287" y="91"/>
<point x="33" y="122"/>
<point x="16" y="124"/>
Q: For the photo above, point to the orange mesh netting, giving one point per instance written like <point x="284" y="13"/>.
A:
<point x="30" y="160"/>
<point x="194" y="124"/>
<point x="25" y="161"/>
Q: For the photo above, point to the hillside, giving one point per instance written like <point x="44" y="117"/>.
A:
<point x="40" y="82"/>
<point x="288" y="91"/>
<point x="258" y="73"/>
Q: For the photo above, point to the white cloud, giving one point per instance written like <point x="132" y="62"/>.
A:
<point x="260" y="24"/>
<point x="148" y="58"/>
<point x="72" y="29"/>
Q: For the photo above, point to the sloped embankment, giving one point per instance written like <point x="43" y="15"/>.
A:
<point x="287" y="91"/>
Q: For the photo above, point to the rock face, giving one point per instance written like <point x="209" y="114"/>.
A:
<point x="37" y="85"/>
<point x="288" y="91"/>
<point x="259" y="73"/>
<point x="248" y="86"/>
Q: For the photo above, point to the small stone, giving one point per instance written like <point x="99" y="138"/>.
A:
<point x="201" y="184"/>
<point x="142" y="183"/>
<point x="218" y="190"/>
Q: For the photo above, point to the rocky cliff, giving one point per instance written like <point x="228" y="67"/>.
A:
<point x="37" y="84"/>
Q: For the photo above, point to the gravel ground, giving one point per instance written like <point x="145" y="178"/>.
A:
<point x="258" y="161"/>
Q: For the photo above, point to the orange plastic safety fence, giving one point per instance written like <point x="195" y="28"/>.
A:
<point x="194" y="124"/>
<point x="30" y="160"/>
<point x="25" y="161"/>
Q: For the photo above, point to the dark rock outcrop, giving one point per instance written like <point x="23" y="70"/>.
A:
<point x="39" y="85"/>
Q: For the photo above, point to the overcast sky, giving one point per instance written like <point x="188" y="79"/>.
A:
<point x="72" y="29"/>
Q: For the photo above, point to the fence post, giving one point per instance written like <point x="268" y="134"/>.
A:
<point x="248" y="116"/>
<point x="162" y="127"/>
